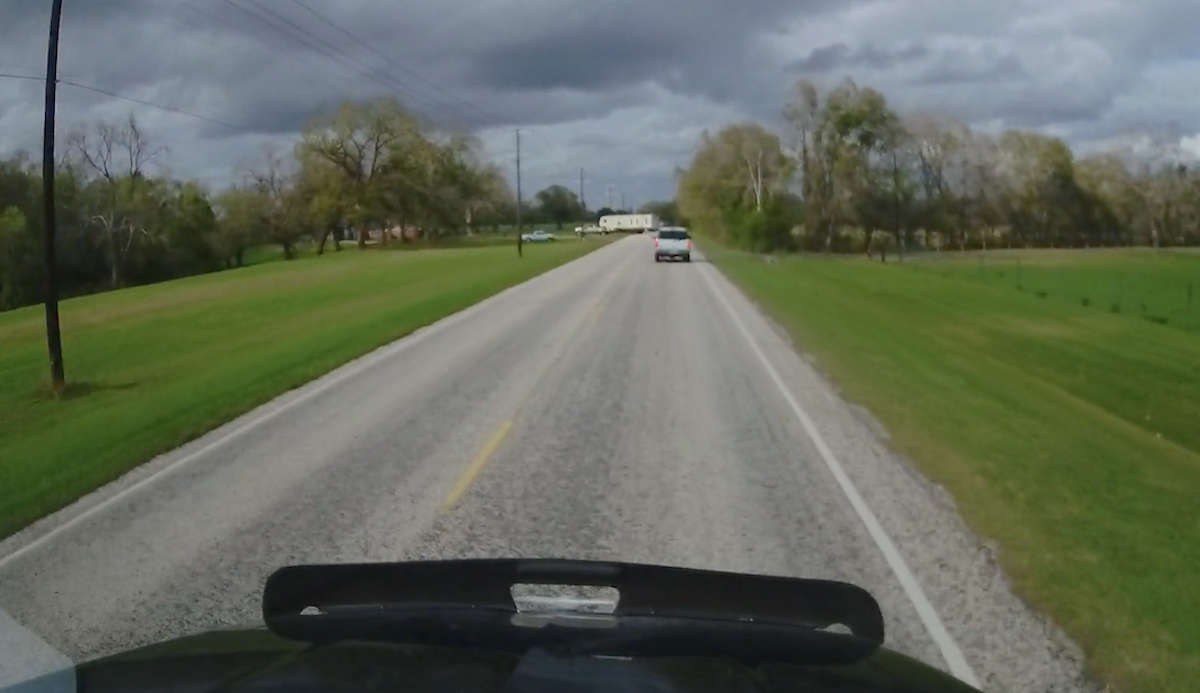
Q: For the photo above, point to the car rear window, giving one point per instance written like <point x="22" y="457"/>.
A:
<point x="673" y="235"/>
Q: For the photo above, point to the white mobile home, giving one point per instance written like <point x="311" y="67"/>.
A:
<point x="630" y="223"/>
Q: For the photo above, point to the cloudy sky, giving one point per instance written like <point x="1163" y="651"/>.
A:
<point x="620" y="88"/>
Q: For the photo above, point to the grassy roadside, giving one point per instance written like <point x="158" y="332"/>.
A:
<point x="153" y="367"/>
<point x="1068" y="433"/>
<point x="259" y="254"/>
<point x="1160" y="286"/>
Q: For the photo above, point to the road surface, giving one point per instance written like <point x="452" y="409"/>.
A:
<point x="614" y="408"/>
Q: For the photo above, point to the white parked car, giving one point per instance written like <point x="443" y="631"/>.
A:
<point x="537" y="237"/>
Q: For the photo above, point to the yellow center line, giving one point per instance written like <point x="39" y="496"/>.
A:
<point x="477" y="465"/>
<point x="594" y="314"/>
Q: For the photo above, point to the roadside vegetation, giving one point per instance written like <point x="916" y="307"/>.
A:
<point x="1031" y="342"/>
<point x="370" y="175"/>
<point x="851" y="175"/>
<point x="156" y="366"/>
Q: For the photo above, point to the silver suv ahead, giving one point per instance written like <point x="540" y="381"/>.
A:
<point x="672" y="243"/>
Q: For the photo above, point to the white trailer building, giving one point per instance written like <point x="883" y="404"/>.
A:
<point x="630" y="223"/>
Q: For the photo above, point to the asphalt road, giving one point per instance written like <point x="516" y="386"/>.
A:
<point x="613" y="408"/>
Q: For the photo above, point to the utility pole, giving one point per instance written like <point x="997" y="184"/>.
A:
<point x="582" y="199"/>
<point x="519" y="239"/>
<point x="518" y="179"/>
<point x="623" y="202"/>
<point x="608" y="189"/>
<point x="53" y="330"/>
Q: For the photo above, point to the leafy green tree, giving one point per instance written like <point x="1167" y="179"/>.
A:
<point x="559" y="205"/>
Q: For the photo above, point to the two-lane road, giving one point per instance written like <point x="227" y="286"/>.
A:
<point x="614" y="408"/>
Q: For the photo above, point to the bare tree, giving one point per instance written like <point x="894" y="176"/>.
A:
<point x="117" y="156"/>
<point x="283" y="210"/>
<point x="806" y="116"/>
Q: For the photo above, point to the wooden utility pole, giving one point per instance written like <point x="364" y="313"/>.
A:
<point x="519" y="234"/>
<point x="53" y="330"/>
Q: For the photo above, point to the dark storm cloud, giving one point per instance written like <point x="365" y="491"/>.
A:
<point x="839" y="57"/>
<point x="1038" y="109"/>
<point x="22" y="17"/>
<point x="699" y="47"/>
<point x="569" y="61"/>
<point x="1024" y="63"/>
<point x="949" y="71"/>
<point x="499" y="64"/>
<point x="457" y="63"/>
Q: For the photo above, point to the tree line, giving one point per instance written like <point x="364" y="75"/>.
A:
<point x="848" y="173"/>
<point x="369" y="174"/>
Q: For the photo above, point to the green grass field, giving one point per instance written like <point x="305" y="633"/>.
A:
<point x="1162" y="287"/>
<point x="1068" y="433"/>
<point x="257" y="255"/>
<point x="152" y="367"/>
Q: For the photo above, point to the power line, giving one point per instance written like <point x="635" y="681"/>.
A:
<point x="211" y="15"/>
<point x="327" y="50"/>
<point x="394" y="63"/>
<point x="490" y="115"/>
<point x="315" y="44"/>
<point x="132" y="99"/>
<point x="234" y="126"/>
<point x="164" y="107"/>
<point x="29" y="77"/>
<point x="559" y="175"/>
<point x="330" y="51"/>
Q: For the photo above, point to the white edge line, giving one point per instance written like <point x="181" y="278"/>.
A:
<point x="929" y="617"/>
<point x="260" y="415"/>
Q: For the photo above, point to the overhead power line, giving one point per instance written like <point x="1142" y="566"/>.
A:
<point x="132" y="99"/>
<point x="391" y="61"/>
<point x="192" y="115"/>
<point x="316" y="46"/>
<point x="308" y="39"/>
<point x="490" y="115"/>
<point x="30" y="77"/>
<point x="297" y="34"/>
<point x="326" y="49"/>
<point x="313" y="42"/>
<point x="164" y="107"/>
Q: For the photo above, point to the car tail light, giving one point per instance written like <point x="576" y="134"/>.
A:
<point x="655" y="242"/>
<point x="689" y="245"/>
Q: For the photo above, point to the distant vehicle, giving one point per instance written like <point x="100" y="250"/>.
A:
<point x="630" y="223"/>
<point x="672" y="243"/>
<point x="590" y="228"/>
<point x="537" y="237"/>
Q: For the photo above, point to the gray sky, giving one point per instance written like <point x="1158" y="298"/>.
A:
<point x="620" y="88"/>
